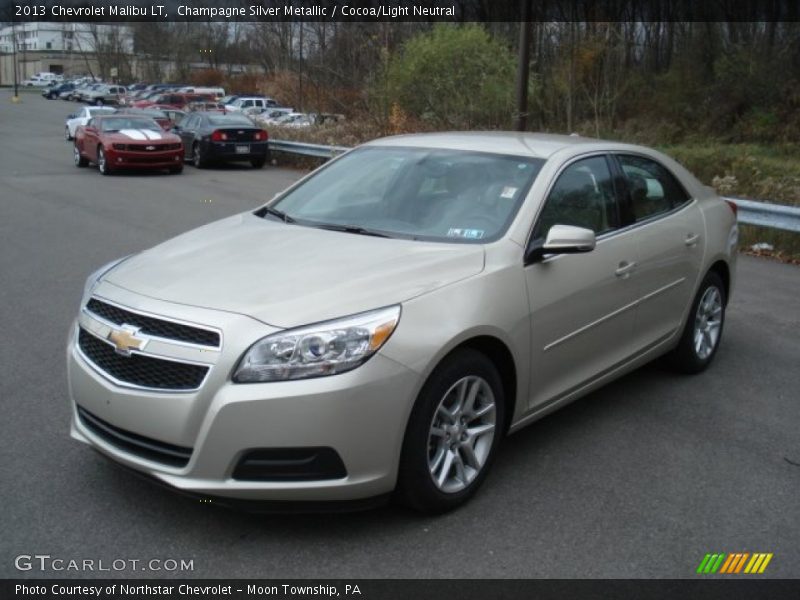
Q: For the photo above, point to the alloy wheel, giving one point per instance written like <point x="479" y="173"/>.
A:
<point x="101" y="161"/>
<point x="707" y="323"/>
<point x="461" y="434"/>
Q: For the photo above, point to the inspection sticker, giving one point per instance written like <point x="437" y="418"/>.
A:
<point x="508" y="192"/>
<point x="469" y="234"/>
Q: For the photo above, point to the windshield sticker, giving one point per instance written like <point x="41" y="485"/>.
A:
<point x="508" y="192"/>
<point x="469" y="234"/>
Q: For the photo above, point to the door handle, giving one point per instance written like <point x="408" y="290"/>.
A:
<point x="691" y="239"/>
<point x="624" y="269"/>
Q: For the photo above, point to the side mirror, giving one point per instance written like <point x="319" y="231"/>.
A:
<point x="72" y="116"/>
<point x="562" y="239"/>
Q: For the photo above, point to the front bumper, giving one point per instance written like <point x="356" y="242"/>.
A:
<point x="360" y="414"/>
<point x="123" y="159"/>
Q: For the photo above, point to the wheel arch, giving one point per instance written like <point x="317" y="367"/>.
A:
<point x="721" y="268"/>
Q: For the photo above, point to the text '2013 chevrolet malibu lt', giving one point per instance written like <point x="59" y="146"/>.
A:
<point x="381" y="325"/>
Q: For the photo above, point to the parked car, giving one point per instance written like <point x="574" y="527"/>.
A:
<point x="175" y="115"/>
<point x="245" y="103"/>
<point x="380" y="326"/>
<point x="269" y="116"/>
<point x="55" y="91"/>
<point x="117" y="142"/>
<point x="173" y="99"/>
<point x="213" y="137"/>
<point x="216" y="92"/>
<point x="293" y="119"/>
<point x="82" y="117"/>
<point x="159" y="116"/>
<point x="82" y="93"/>
<point x="105" y="94"/>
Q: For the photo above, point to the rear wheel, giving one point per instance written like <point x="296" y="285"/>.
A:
<point x="703" y="330"/>
<point x="453" y="433"/>
<point x="102" y="162"/>
<point x="98" y="102"/>
<point x="258" y="163"/>
<point x="80" y="161"/>
<point x="198" y="158"/>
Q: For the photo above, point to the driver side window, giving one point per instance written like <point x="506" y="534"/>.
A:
<point x="583" y="196"/>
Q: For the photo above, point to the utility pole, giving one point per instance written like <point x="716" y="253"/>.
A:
<point x="521" y="116"/>
<point x="15" y="97"/>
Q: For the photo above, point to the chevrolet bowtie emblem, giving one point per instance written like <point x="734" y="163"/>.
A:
<point x="150" y="147"/>
<point x="125" y="340"/>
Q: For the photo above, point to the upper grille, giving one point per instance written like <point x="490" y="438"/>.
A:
<point x="176" y="456"/>
<point x="153" y="326"/>
<point x="141" y="370"/>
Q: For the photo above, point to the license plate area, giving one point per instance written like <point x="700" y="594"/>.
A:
<point x="242" y="149"/>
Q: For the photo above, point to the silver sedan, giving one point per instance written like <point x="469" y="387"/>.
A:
<point x="380" y="326"/>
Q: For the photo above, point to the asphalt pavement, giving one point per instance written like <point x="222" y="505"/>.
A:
<point x="639" y="479"/>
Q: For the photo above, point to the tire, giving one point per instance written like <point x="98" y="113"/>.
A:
<point x="258" y="163"/>
<point x="198" y="160"/>
<point x="444" y="459"/>
<point x="80" y="161"/>
<point x="67" y="136"/>
<point x="102" y="163"/>
<point x="98" y="102"/>
<point x="176" y="170"/>
<point x="703" y="330"/>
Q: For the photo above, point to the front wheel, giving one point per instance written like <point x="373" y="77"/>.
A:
<point x="453" y="433"/>
<point x="67" y="135"/>
<point x="80" y="161"/>
<point x="703" y="330"/>
<point x="176" y="170"/>
<point x="102" y="162"/>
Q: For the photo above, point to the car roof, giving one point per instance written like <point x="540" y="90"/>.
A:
<point x="538" y="145"/>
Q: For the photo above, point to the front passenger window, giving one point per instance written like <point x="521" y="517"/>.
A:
<point x="583" y="196"/>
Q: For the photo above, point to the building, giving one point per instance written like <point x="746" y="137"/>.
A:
<point x="64" y="48"/>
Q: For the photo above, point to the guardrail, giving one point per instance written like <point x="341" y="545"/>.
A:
<point x="763" y="214"/>
<point x="317" y="150"/>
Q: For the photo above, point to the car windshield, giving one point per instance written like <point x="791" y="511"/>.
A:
<point x="100" y="110"/>
<point x="116" y="124"/>
<point x="229" y="120"/>
<point x="419" y="193"/>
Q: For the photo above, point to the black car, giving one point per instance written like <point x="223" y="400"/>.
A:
<point x="53" y="91"/>
<point x="213" y="137"/>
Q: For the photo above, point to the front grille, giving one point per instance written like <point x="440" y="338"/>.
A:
<point x="153" y="326"/>
<point x="175" y="456"/>
<point x="141" y="370"/>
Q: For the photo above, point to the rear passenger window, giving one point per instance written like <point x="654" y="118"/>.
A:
<point x="583" y="196"/>
<point x="653" y="189"/>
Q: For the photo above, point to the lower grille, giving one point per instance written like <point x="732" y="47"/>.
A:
<point x="141" y="370"/>
<point x="174" y="456"/>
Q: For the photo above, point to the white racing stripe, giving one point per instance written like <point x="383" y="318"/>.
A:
<point x="134" y="134"/>
<point x="152" y="135"/>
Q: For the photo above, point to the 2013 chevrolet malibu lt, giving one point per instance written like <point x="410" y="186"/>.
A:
<point x="381" y="325"/>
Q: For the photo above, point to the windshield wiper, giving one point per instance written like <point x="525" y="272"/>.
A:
<point x="268" y="210"/>
<point x="353" y="229"/>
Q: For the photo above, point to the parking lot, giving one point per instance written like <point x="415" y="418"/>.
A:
<point x="639" y="479"/>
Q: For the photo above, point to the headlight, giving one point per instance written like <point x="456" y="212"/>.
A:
<point x="318" y="350"/>
<point x="94" y="278"/>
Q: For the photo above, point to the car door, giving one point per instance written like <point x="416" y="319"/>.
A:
<point x="90" y="140"/>
<point x="188" y="128"/>
<point x="669" y="231"/>
<point x="582" y="306"/>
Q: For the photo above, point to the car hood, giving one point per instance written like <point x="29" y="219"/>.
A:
<point x="289" y="275"/>
<point x="141" y="135"/>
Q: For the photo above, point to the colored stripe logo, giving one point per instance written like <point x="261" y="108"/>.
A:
<point x="735" y="563"/>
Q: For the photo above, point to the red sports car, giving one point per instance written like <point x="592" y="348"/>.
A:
<point x="116" y="142"/>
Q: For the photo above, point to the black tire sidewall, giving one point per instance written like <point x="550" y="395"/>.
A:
<point x="415" y="486"/>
